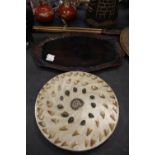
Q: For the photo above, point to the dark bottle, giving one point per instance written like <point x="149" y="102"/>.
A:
<point x="102" y="12"/>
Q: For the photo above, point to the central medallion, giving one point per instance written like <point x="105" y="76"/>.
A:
<point x="76" y="103"/>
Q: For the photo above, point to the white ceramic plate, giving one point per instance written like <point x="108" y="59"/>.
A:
<point x="76" y="111"/>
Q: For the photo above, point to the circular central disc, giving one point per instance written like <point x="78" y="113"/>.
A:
<point x="76" y="111"/>
<point x="76" y="103"/>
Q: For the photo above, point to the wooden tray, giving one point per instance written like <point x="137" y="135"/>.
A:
<point x="85" y="52"/>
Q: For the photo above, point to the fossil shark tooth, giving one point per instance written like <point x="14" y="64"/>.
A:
<point x="75" y="133"/>
<point x="89" y="131"/>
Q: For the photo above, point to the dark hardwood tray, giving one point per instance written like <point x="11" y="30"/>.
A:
<point x="85" y="52"/>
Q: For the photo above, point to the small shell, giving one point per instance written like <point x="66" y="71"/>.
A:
<point x="63" y="128"/>
<point x="90" y="115"/>
<point x="83" y="122"/>
<point x="75" y="133"/>
<point x="94" y="87"/>
<point x="88" y="131"/>
<point x="60" y="106"/>
<point x="92" y="142"/>
<point x="65" y="114"/>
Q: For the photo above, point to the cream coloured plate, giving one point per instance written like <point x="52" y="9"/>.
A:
<point x="76" y="111"/>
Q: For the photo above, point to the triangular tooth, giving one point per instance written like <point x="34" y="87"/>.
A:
<point x="40" y="111"/>
<point x="89" y="131"/>
<point x="84" y="83"/>
<point x="68" y="81"/>
<point x="112" y="96"/>
<point x="106" y="132"/>
<point x="111" y="125"/>
<point x="93" y="77"/>
<point x="92" y="142"/>
<point x="54" y="120"/>
<point x="94" y="87"/>
<point x="97" y="123"/>
<point x="41" y="117"/>
<point x="102" y="114"/>
<point x="114" y="110"/>
<point x="76" y="82"/>
<point x="115" y="103"/>
<point x="45" y="131"/>
<point x="101" y="135"/>
<point x="75" y="133"/>
<point x="53" y="93"/>
<point x="49" y="104"/>
<point x="82" y="74"/>
<point x="99" y="81"/>
<point x="52" y="135"/>
<point x="64" y="143"/>
<point x="112" y="117"/>
<point x="105" y="105"/>
<point x="73" y="144"/>
<point x="57" y="141"/>
<point x="51" y="112"/>
<point x="63" y="128"/>
<point x="42" y="124"/>
<point x="86" y="142"/>
<point x="109" y="90"/>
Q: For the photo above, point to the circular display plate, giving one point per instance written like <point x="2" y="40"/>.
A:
<point x="124" y="40"/>
<point x="76" y="111"/>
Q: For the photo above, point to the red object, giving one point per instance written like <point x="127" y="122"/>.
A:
<point x="67" y="11"/>
<point x="44" y="12"/>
